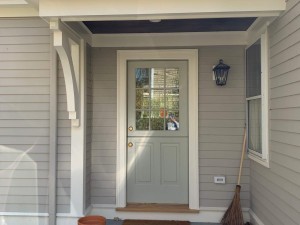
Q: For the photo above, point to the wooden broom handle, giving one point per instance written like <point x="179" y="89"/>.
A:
<point x="242" y="157"/>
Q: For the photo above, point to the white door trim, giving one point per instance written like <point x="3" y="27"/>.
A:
<point x="174" y="54"/>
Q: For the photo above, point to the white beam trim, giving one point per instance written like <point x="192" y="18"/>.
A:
<point x="53" y="139"/>
<point x="20" y="11"/>
<point x="13" y="2"/>
<point x="171" y="16"/>
<point x="258" y="28"/>
<point x="78" y="144"/>
<point x="66" y="45"/>
<point x="146" y="7"/>
<point x="170" y="39"/>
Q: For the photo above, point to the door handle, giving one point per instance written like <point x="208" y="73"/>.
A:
<point x="130" y="128"/>
<point x="130" y="144"/>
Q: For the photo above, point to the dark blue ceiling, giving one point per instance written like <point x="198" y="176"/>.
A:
<point x="170" y="26"/>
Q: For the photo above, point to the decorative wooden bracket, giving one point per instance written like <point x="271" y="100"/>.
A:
<point x="67" y="46"/>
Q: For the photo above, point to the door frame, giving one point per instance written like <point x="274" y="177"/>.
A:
<point x="191" y="55"/>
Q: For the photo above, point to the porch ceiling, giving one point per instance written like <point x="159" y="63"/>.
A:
<point x="170" y="26"/>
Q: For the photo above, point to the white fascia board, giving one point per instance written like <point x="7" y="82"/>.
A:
<point x="257" y="28"/>
<point x="169" y="39"/>
<point x="12" y="2"/>
<point x="145" y="7"/>
<point x="33" y="3"/>
<point x="170" y="16"/>
<point x="9" y="12"/>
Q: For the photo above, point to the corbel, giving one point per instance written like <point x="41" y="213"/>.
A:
<point x="67" y="46"/>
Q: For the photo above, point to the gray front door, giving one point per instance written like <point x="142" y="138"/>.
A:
<point x="157" y="153"/>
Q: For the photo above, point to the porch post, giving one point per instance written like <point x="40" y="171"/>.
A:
<point x="71" y="50"/>
<point x="78" y="144"/>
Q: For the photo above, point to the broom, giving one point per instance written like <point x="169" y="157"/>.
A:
<point x="234" y="214"/>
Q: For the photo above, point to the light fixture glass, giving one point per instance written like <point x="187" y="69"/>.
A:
<point x="221" y="73"/>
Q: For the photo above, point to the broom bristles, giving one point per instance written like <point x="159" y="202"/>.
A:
<point x="234" y="214"/>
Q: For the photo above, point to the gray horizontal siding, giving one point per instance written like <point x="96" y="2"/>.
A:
<point x="275" y="192"/>
<point x="24" y="115"/>
<point x="104" y="117"/>
<point x="221" y="123"/>
<point x="63" y="148"/>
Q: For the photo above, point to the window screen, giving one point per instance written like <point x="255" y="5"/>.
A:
<point x="253" y="67"/>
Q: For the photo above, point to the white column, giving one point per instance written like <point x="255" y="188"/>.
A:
<point x="78" y="142"/>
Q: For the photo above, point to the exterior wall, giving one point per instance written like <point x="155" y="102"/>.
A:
<point x="221" y="122"/>
<point x="275" y="191"/>
<point x="104" y="69"/>
<point x="24" y="114"/>
<point x="221" y="127"/>
<point x="63" y="147"/>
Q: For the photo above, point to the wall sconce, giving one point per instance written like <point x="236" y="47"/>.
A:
<point x="221" y="73"/>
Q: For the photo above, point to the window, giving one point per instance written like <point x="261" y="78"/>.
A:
<point x="257" y="100"/>
<point x="157" y="98"/>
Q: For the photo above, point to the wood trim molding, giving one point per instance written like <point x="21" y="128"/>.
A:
<point x="175" y="54"/>
<point x="170" y="39"/>
<point x="67" y="47"/>
<point x="255" y="219"/>
<point x="72" y="52"/>
<point x="78" y="145"/>
<point x="142" y="8"/>
<point x="53" y="138"/>
<point x="206" y="214"/>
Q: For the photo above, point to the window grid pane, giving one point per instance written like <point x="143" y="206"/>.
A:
<point x="254" y="125"/>
<point x="157" y="98"/>
<point x="253" y="70"/>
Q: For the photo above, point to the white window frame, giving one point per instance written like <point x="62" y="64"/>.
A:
<point x="262" y="158"/>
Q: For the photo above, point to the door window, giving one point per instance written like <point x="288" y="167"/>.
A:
<point x="157" y="99"/>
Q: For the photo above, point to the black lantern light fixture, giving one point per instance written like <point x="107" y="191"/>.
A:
<point x="221" y="73"/>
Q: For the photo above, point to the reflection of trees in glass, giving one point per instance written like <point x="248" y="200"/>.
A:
<point x="157" y="98"/>
<point x="156" y="89"/>
<point x="142" y="99"/>
<point x="157" y="123"/>
<point x="142" y="77"/>
<point x="142" y="124"/>
<point x="172" y="77"/>
<point x="142" y="120"/>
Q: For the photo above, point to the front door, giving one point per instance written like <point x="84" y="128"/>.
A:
<point x="157" y="153"/>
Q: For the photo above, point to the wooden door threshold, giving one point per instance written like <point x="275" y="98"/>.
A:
<point x="151" y="207"/>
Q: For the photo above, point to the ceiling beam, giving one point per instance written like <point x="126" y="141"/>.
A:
<point x="20" y="11"/>
<point x="145" y="9"/>
<point x="170" y="39"/>
<point x="12" y="2"/>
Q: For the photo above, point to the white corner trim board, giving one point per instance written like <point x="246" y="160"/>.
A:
<point x="78" y="143"/>
<point x="191" y="55"/>
<point x="254" y="218"/>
